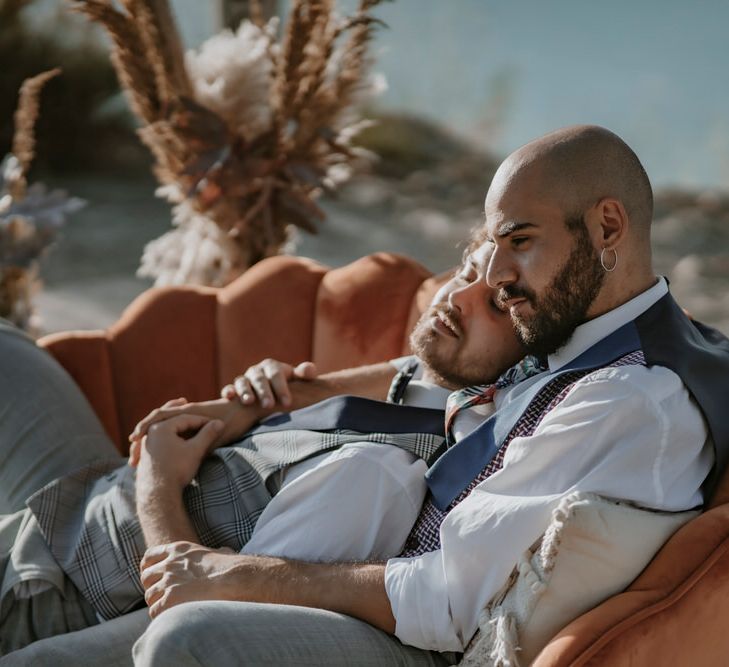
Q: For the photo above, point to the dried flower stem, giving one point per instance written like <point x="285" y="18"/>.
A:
<point x="128" y="57"/>
<point x="249" y="144"/>
<point x="25" y="118"/>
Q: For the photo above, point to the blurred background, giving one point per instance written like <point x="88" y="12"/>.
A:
<point x="468" y="81"/>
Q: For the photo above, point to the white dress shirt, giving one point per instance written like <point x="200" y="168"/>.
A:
<point x="630" y="433"/>
<point x="355" y="503"/>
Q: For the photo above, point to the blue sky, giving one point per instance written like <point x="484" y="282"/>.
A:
<point x="654" y="71"/>
<point x="502" y="72"/>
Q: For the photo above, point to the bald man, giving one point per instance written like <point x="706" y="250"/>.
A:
<point x="627" y="408"/>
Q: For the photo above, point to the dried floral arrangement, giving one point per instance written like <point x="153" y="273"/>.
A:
<point x="246" y="132"/>
<point x="29" y="214"/>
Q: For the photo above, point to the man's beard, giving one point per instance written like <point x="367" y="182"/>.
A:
<point x="427" y="345"/>
<point x="565" y="302"/>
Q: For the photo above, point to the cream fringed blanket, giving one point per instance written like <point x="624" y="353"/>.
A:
<point x="593" y="548"/>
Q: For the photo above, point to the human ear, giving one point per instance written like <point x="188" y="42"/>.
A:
<point x="610" y="222"/>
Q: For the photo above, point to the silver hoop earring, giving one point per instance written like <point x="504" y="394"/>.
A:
<point x="602" y="260"/>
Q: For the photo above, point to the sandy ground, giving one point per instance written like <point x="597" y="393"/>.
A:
<point x="89" y="275"/>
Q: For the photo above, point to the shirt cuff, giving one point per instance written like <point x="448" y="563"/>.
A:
<point x="417" y="591"/>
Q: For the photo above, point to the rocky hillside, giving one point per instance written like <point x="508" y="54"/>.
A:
<point x="691" y="247"/>
<point x="422" y="199"/>
<point x="429" y="187"/>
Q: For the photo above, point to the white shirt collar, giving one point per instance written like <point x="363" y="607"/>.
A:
<point x="589" y="333"/>
<point x="421" y="394"/>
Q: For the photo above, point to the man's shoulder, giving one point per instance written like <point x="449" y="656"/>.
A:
<point x="629" y="389"/>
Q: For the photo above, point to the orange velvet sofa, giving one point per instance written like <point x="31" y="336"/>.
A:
<point x="190" y="341"/>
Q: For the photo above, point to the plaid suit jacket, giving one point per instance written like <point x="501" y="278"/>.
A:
<point x="89" y="519"/>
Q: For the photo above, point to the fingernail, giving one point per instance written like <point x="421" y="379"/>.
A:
<point x="266" y="403"/>
<point x="286" y="400"/>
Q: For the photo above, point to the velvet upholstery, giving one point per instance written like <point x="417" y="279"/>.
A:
<point x="363" y="309"/>
<point x="190" y="341"/>
<point x="268" y="312"/>
<point x="674" y="613"/>
<point x="86" y="357"/>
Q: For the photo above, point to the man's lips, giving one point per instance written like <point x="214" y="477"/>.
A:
<point x="445" y="325"/>
<point x="513" y="303"/>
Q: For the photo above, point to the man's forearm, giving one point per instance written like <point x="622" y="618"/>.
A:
<point x="162" y="514"/>
<point x="367" y="381"/>
<point x="355" y="589"/>
<point x="371" y="381"/>
<point x="182" y="572"/>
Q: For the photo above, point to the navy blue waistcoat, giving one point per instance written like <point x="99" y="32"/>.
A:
<point x="698" y="354"/>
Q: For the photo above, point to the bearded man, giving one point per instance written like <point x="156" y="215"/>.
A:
<point x="627" y="408"/>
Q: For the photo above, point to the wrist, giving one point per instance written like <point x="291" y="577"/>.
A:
<point x="238" y="419"/>
<point x="154" y="485"/>
<point x="255" y="579"/>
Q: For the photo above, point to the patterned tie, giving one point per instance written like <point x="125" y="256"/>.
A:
<point x="467" y="397"/>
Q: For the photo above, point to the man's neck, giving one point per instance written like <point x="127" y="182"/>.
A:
<point x="613" y="298"/>
<point x="432" y="377"/>
<point x="591" y="331"/>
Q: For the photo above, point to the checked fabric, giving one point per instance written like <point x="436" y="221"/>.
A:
<point x="89" y="521"/>
<point x="425" y="534"/>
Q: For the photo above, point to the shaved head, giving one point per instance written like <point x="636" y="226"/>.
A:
<point x="568" y="216"/>
<point x="578" y="166"/>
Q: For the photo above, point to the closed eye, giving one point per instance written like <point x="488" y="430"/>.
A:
<point x="519" y="241"/>
<point x="467" y="273"/>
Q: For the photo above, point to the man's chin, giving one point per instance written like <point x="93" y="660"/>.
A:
<point x="429" y="351"/>
<point x="448" y="370"/>
<point x="542" y="341"/>
<point x="523" y="314"/>
<point x="429" y="342"/>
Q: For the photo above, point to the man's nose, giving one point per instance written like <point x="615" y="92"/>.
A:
<point x="500" y="270"/>
<point x="461" y="298"/>
<point x="455" y="299"/>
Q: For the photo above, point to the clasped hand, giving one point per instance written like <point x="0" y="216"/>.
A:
<point x="170" y="459"/>
<point x="253" y="395"/>
<point x="185" y="572"/>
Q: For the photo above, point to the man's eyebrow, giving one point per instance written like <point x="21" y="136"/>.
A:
<point x="507" y="228"/>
